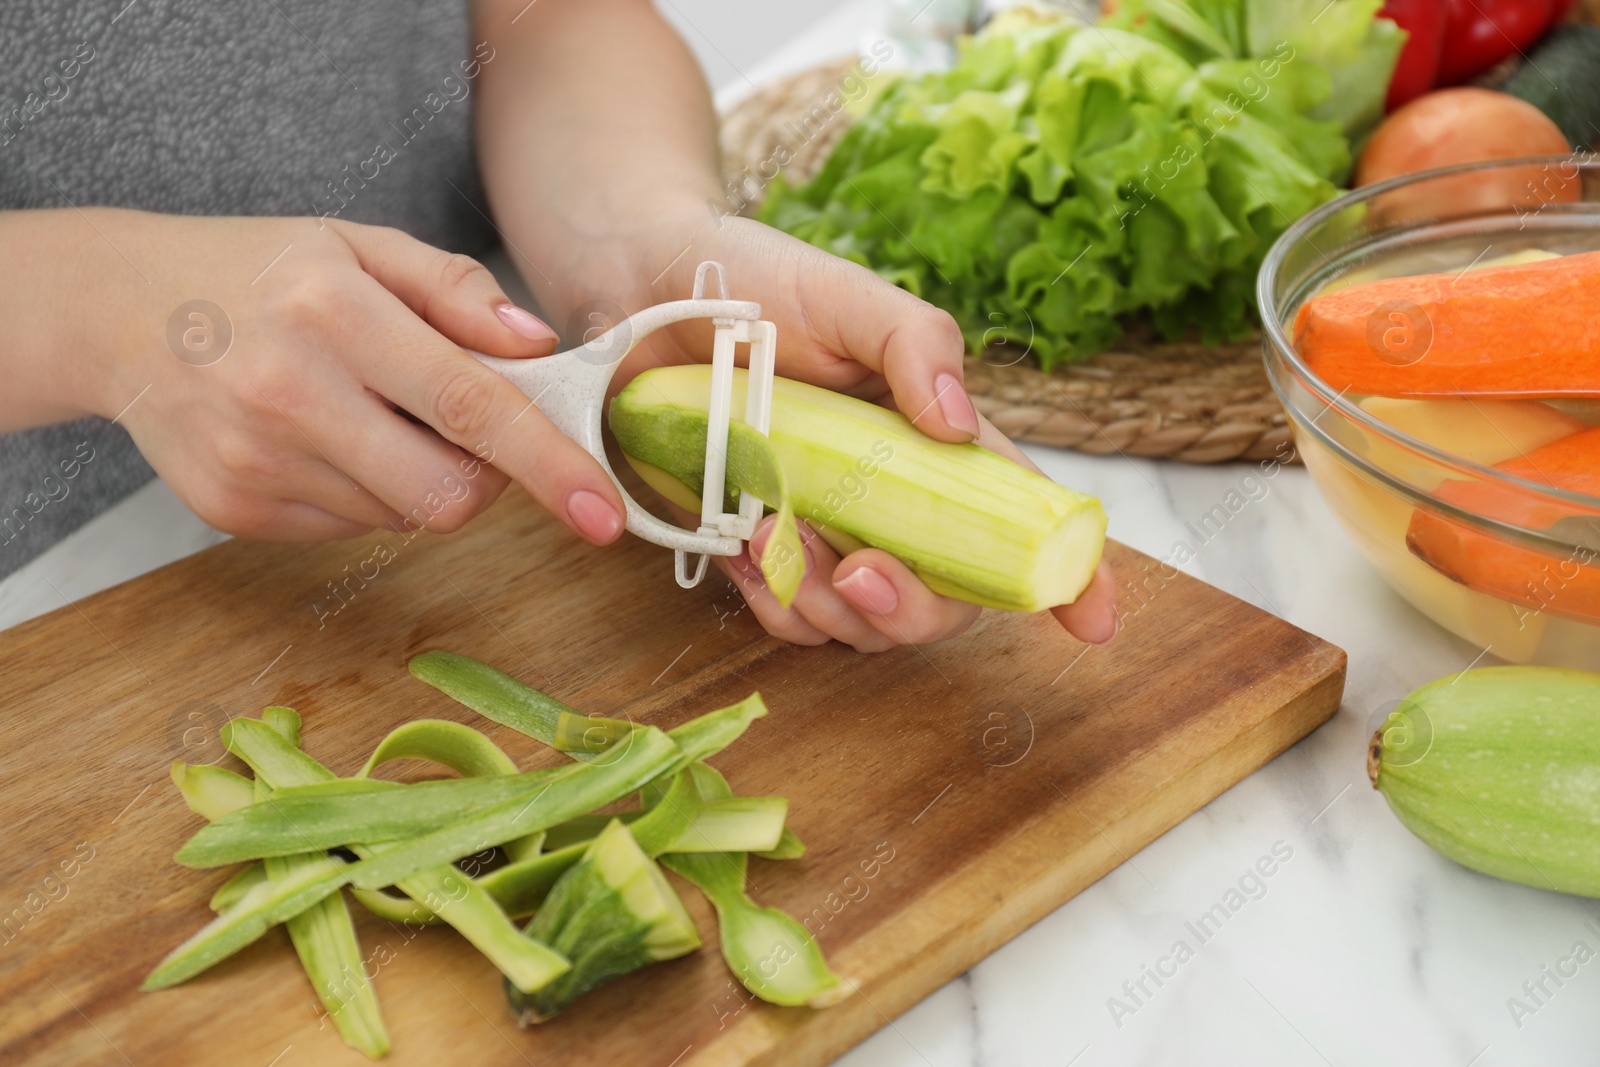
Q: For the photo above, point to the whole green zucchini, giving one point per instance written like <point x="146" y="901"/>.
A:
<point x="1499" y="769"/>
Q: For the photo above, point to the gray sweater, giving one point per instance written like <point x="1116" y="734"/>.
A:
<point x="361" y="110"/>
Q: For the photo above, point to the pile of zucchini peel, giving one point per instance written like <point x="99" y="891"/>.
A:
<point x="494" y="845"/>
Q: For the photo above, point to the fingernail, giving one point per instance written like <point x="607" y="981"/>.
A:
<point x="763" y="534"/>
<point x="759" y="539"/>
<point x="869" y="591"/>
<point x="955" y="405"/>
<point x="1108" y="630"/>
<point x="594" y="516"/>
<point x="523" y="323"/>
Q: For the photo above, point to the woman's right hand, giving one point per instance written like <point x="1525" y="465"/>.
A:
<point x="324" y="391"/>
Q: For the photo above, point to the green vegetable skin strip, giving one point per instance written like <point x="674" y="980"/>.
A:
<point x="789" y="847"/>
<point x="645" y="754"/>
<point x="212" y="792"/>
<point x="305" y="818"/>
<point x="775" y="957"/>
<point x="259" y="910"/>
<point x="771" y="953"/>
<point x="971" y="524"/>
<point x="693" y="826"/>
<point x="498" y="696"/>
<point x="271" y="903"/>
<point x="505" y="700"/>
<point x="462" y="749"/>
<point x="520" y="887"/>
<point x="445" y="891"/>
<point x="323" y="935"/>
<point x="230" y="892"/>
<point x="739" y="824"/>
<point x="318" y="816"/>
<point x="325" y="939"/>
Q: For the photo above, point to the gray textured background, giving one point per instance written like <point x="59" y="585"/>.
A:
<point x="198" y="107"/>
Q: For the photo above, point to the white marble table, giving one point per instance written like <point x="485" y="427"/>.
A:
<point x="1362" y="949"/>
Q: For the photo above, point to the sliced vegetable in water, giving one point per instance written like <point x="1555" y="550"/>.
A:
<point x="1520" y="330"/>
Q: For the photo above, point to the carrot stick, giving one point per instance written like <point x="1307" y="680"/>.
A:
<point x="1522" y="330"/>
<point x="1568" y="586"/>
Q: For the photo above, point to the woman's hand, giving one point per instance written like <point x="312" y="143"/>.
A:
<point x="323" y="393"/>
<point x="842" y="327"/>
<point x="614" y="196"/>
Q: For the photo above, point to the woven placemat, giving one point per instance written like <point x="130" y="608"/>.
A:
<point x="1143" y="397"/>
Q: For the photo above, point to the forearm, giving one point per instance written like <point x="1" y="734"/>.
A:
<point x="53" y="301"/>
<point x="594" y="123"/>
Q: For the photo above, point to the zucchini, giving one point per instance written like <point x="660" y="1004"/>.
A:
<point x="970" y="523"/>
<point x="1562" y="78"/>
<point x="1499" y="769"/>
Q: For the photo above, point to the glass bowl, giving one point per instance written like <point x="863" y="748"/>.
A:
<point x="1518" y="572"/>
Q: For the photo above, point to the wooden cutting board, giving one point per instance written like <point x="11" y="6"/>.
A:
<point x="951" y="795"/>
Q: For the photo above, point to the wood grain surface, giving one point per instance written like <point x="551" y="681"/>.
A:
<point x="951" y="795"/>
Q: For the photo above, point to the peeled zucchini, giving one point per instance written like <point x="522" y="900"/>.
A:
<point x="1499" y="769"/>
<point x="970" y="523"/>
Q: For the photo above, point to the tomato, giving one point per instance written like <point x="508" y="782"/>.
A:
<point x="1418" y="68"/>
<point x="1465" y="125"/>
<point x="1559" y="9"/>
<point x="1480" y="33"/>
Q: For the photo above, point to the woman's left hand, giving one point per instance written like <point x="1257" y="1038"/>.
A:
<point x="843" y="327"/>
<point x="602" y="169"/>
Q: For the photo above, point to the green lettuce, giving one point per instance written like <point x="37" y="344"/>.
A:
<point x="1060" y="178"/>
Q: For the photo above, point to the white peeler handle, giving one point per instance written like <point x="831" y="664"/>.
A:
<point x="570" y="389"/>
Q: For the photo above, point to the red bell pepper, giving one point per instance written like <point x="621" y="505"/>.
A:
<point x="1418" y="68"/>
<point x="1480" y="33"/>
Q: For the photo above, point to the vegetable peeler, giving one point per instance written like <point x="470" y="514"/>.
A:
<point x="569" y="388"/>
